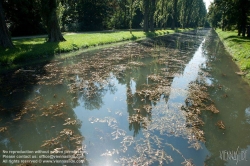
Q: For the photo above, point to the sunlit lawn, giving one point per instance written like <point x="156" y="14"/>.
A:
<point x="239" y="48"/>
<point x="29" y="49"/>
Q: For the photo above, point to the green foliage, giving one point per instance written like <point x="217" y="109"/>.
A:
<point x="94" y="14"/>
<point x="70" y="16"/>
<point x="230" y="15"/>
<point x="214" y="15"/>
<point x="60" y="10"/>
<point x="125" y="14"/>
<point x="192" y="13"/>
<point x="133" y="6"/>
<point x="31" y="17"/>
<point x="23" y="17"/>
<point x="162" y="12"/>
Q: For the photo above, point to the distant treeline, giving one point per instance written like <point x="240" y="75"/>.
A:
<point x="31" y="17"/>
<point x="230" y="15"/>
<point x="24" y="17"/>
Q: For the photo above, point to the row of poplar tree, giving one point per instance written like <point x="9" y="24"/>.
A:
<point x="26" y="17"/>
<point x="230" y="15"/>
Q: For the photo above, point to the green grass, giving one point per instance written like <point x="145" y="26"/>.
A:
<point x="29" y="50"/>
<point x="238" y="47"/>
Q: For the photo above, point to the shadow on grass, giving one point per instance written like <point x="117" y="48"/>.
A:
<point x="133" y="37"/>
<point x="26" y="53"/>
<point x="177" y="30"/>
<point x="237" y="39"/>
<point x="154" y="34"/>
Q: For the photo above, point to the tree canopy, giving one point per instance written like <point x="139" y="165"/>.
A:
<point x="230" y="15"/>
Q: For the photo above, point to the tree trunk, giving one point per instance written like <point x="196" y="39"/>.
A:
<point x="131" y="11"/>
<point x="248" y="31"/>
<point x="146" y="15"/>
<point x="125" y="15"/>
<point x="239" y="28"/>
<point x="152" y="11"/>
<point x="165" y="22"/>
<point x="174" y="14"/>
<point x="54" y="32"/>
<point x="244" y="17"/>
<point x="189" y="13"/>
<point x="5" y="40"/>
<point x="162" y="12"/>
<point x="223" y="22"/>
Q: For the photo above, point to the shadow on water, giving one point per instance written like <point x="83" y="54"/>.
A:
<point x="25" y="106"/>
<point x="231" y="95"/>
<point x="17" y="85"/>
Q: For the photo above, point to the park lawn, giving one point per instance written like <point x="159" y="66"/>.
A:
<point x="238" y="47"/>
<point x="28" y="50"/>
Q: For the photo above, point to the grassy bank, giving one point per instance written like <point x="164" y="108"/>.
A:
<point x="31" y="49"/>
<point x="238" y="47"/>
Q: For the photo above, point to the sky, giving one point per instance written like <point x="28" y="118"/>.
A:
<point x="208" y="2"/>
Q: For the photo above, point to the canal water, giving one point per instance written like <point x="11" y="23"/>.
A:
<point x="170" y="100"/>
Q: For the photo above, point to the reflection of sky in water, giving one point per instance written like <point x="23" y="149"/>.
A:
<point x="180" y="84"/>
<point x="111" y="139"/>
<point x="5" y="141"/>
<point x="247" y="114"/>
<point x="133" y="86"/>
<point x="106" y="129"/>
<point x="191" y="70"/>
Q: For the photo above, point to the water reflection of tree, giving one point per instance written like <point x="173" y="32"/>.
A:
<point x="93" y="101"/>
<point x="139" y="106"/>
<point x="90" y="82"/>
<point x="138" y="117"/>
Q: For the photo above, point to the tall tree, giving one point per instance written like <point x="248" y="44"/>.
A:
<point x="233" y="13"/>
<point x="174" y="15"/>
<point x="165" y="11"/>
<point x="198" y="14"/>
<point x="133" y="6"/>
<point x="23" y="17"/>
<point x="214" y="15"/>
<point x="146" y="15"/>
<point x="70" y="16"/>
<point x="50" y="18"/>
<point x="183" y="12"/>
<point x="152" y="12"/>
<point x="191" y="8"/>
<point x="5" y="40"/>
<point x="243" y="7"/>
<point x="93" y="15"/>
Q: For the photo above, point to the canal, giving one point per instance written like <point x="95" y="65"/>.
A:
<point x="169" y="100"/>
